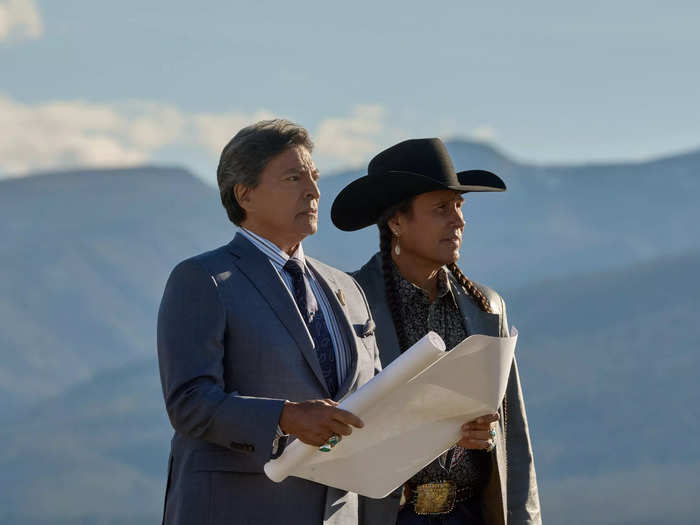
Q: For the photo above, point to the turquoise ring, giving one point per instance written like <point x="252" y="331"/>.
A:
<point x="328" y="445"/>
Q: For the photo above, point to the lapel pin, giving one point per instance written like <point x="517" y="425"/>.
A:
<point x="341" y="296"/>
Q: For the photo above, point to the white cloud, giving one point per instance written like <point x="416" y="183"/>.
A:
<point x="484" y="133"/>
<point x="63" y="134"/>
<point x="449" y="127"/>
<point x="214" y="130"/>
<point x="73" y="133"/>
<point x="350" y="140"/>
<point x="152" y="125"/>
<point x="20" y="19"/>
<point x="76" y="133"/>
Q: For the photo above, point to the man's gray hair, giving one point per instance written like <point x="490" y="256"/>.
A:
<point x="246" y="155"/>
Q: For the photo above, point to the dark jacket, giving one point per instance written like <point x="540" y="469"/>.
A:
<point x="511" y="496"/>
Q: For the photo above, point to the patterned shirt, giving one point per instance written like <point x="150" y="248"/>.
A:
<point x="419" y="315"/>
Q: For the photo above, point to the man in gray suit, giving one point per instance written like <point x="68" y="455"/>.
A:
<point x="257" y="342"/>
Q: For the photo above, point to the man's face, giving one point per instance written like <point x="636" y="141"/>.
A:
<point x="284" y="205"/>
<point x="432" y="231"/>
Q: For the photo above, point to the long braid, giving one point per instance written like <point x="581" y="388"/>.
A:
<point x="392" y="298"/>
<point x="471" y="289"/>
<point x="483" y="303"/>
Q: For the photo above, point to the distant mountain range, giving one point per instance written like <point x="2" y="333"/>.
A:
<point x="597" y="263"/>
<point x="610" y="363"/>
<point x="84" y="259"/>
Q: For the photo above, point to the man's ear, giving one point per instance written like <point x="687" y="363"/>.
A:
<point x="242" y="194"/>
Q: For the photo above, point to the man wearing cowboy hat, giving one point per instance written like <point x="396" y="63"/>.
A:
<point x="257" y="341"/>
<point x="414" y="285"/>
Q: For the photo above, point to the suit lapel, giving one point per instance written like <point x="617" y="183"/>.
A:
<point x="263" y="276"/>
<point x="329" y="286"/>
<point x="477" y="321"/>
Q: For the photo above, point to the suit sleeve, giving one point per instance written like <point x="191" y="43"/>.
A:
<point x="523" y="495"/>
<point x="191" y="328"/>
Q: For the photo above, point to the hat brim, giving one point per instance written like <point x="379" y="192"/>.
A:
<point x="362" y="202"/>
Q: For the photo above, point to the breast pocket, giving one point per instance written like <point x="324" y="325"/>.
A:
<point x="365" y="332"/>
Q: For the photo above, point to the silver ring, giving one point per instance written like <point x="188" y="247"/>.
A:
<point x="492" y="433"/>
<point x="492" y="445"/>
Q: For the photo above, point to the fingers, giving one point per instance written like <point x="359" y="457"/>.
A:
<point x="340" y="429"/>
<point x="475" y="444"/>
<point x="313" y="439"/>
<point x="479" y="435"/>
<point x="347" y="418"/>
<point x="315" y="421"/>
<point x="482" y="423"/>
<point x="338" y="424"/>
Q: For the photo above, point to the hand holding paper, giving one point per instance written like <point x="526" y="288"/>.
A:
<point x="313" y="421"/>
<point x="413" y="411"/>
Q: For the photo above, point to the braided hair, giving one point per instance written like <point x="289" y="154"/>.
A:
<point x="392" y="296"/>
<point x="470" y="287"/>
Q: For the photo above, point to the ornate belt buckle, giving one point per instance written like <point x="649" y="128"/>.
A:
<point x="435" y="498"/>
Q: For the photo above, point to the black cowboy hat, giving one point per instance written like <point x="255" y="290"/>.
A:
<point x="399" y="173"/>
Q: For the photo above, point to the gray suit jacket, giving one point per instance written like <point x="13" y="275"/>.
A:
<point x="511" y="496"/>
<point x="232" y="347"/>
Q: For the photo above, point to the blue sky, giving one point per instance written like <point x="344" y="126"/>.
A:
<point x="119" y="83"/>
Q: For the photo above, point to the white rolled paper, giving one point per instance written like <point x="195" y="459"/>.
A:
<point x="405" y="367"/>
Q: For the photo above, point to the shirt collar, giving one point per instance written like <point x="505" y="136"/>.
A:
<point x="407" y="287"/>
<point x="273" y="252"/>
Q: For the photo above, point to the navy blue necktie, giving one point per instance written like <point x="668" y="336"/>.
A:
<point x="308" y="306"/>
